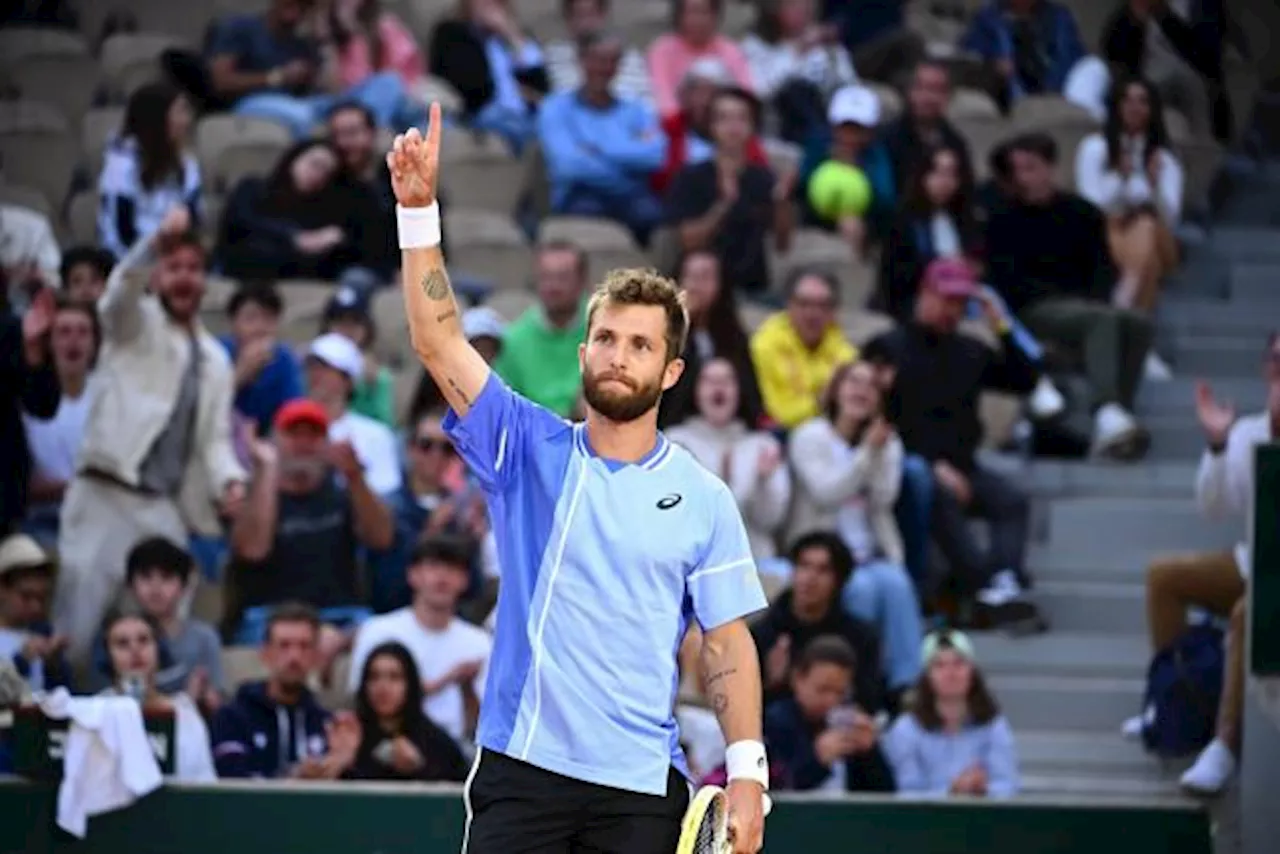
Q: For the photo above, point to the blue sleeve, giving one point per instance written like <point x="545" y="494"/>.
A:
<point x="724" y="586"/>
<point x="983" y="36"/>
<point x="290" y="375"/>
<point x="498" y="431"/>
<point x="568" y="161"/>
<point x="901" y="748"/>
<point x="230" y="742"/>
<point x="228" y="39"/>
<point x="1002" y="761"/>
<point x="641" y="147"/>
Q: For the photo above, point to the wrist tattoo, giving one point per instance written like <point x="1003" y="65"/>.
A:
<point x="435" y="284"/>
<point x="720" y="703"/>
<point x="446" y="315"/>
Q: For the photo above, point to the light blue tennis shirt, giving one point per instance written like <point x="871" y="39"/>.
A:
<point x="603" y="565"/>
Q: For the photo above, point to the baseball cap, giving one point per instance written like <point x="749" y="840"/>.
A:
<point x="482" y="322"/>
<point x="935" y="642"/>
<point x="347" y="302"/>
<point x="854" y="104"/>
<point x="950" y="277"/>
<point x="300" y="410"/>
<point x="338" y="352"/>
<point x="21" y="552"/>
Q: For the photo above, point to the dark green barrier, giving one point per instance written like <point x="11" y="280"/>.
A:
<point x="350" y="819"/>
<point x="1264" y="578"/>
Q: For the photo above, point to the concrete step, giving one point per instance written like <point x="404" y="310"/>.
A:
<point x="1193" y="314"/>
<point x="1067" y="752"/>
<point x="1215" y="355"/>
<point x="1123" y="565"/>
<point x="1094" y="786"/>
<point x="1254" y="278"/>
<point x="1177" y="396"/>
<point x="1062" y="654"/>
<point x="1096" y="526"/>
<point x="1090" y="606"/>
<point x="1064" y="478"/>
<point x="1175" y="435"/>
<point x="1246" y="244"/>
<point x="1095" y="705"/>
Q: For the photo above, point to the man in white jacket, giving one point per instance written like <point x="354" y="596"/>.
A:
<point x="156" y="457"/>
<point x="1217" y="581"/>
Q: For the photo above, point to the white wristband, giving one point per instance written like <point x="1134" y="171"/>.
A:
<point x="419" y="228"/>
<point x="746" y="760"/>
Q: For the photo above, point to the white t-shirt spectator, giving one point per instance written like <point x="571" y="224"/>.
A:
<point x="827" y="67"/>
<point x="1115" y="194"/>
<point x="55" y="443"/>
<point x="435" y="653"/>
<point x="128" y="211"/>
<point x="376" y="448"/>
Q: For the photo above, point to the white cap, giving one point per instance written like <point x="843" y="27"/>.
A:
<point x="19" y="551"/>
<point x="338" y="352"/>
<point x="854" y="104"/>
<point x="482" y="322"/>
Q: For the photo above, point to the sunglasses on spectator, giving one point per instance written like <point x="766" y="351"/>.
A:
<point x="427" y="444"/>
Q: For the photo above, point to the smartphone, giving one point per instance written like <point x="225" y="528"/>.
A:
<point x="383" y="752"/>
<point x="843" y="717"/>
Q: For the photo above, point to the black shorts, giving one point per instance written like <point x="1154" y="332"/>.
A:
<point x="515" y="808"/>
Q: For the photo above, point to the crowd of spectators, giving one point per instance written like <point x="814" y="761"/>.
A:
<point x="151" y="461"/>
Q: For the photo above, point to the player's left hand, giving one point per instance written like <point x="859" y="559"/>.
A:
<point x="746" y="816"/>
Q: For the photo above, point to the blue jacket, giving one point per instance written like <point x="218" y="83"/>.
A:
<point x="253" y="736"/>
<point x="990" y="35"/>
<point x="790" y="742"/>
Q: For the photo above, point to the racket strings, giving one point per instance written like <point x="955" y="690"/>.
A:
<point x="712" y="832"/>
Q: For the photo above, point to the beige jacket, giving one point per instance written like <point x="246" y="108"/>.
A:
<point x="827" y="474"/>
<point x="134" y="387"/>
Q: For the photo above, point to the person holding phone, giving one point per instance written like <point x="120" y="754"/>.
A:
<point x="848" y="472"/>
<point x="818" y="739"/>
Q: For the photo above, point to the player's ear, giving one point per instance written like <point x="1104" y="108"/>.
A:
<point x="582" y="357"/>
<point x="672" y="373"/>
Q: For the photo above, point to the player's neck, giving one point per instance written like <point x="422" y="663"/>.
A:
<point x="624" y="441"/>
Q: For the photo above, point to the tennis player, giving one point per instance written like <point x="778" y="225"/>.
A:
<point x="610" y="539"/>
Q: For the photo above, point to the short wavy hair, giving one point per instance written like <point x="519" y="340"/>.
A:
<point x="632" y="286"/>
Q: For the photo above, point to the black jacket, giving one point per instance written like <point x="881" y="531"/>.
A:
<point x="790" y="739"/>
<point x="457" y="56"/>
<point x="22" y="388"/>
<point x="907" y="251"/>
<point x="254" y="737"/>
<point x="906" y="146"/>
<point x="940" y="378"/>
<point x="442" y="760"/>
<point x="868" y="678"/>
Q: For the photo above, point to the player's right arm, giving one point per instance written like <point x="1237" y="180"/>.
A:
<point x="435" y="328"/>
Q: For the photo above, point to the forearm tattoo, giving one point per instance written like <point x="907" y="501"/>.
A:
<point x="457" y="389"/>
<point x="435" y="284"/>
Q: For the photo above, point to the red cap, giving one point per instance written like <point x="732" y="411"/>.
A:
<point x="950" y="277"/>
<point x="301" y="411"/>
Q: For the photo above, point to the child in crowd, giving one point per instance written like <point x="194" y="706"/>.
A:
<point x="817" y="738"/>
<point x="26" y="639"/>
<point x="157" y="573"/>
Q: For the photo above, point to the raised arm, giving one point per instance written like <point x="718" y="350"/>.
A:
<point x="434" y="325"/>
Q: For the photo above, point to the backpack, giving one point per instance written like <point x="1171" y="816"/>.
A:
<point x="1184" y="684"/>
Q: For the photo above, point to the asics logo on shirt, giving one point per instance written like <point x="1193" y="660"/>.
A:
<point x="669" y="501"/>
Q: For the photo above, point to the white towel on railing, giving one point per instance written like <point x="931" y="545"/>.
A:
<point x="107" y="762"/>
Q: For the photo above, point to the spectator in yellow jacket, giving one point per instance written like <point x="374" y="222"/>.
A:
<point x="797" y="350"/>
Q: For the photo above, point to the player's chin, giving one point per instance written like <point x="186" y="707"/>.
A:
<point x="621" y="408"/>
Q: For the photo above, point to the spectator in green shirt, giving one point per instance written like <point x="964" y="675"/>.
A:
<point x="348" y="314"/>
<point x="539" y="356"/>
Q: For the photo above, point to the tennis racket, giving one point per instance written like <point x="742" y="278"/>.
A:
<point x="705" y="829"/>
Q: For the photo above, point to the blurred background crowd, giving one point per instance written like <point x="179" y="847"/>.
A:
<point x="919" y="242"/>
